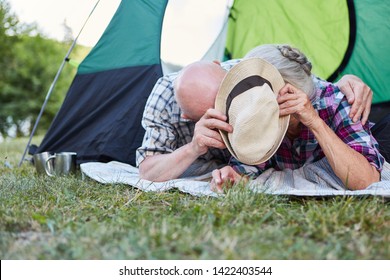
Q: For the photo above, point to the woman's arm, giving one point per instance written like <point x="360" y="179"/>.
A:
<point x="350" y="166"/>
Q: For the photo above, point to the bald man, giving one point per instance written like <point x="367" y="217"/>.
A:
<point x="181" y="126"/>
<point x="181" y="137"/>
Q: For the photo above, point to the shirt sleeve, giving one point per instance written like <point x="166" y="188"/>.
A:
<point x="320" y="84"/>
<point x="159" y="135"/>
<point x="355" y="135"/>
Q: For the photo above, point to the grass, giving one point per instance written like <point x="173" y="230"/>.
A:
<point x="74" y="218"/>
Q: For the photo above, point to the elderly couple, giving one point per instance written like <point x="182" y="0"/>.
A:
<point x="241" y="117"/>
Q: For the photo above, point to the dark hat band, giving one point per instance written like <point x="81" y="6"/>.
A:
<point x="242" y="86"/>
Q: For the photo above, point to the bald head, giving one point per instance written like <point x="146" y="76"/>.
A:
<point x="197" y="86"/>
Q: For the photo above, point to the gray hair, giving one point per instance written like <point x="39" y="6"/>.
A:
<point x="292" y="64"/>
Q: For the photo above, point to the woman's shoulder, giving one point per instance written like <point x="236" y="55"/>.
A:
<point x="328" y="95"/>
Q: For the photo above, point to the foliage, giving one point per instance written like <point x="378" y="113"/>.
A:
<point x="30" y="76"/>
<point x="75" y="218"/>
<point x="29" y="65"/>
<point x="8" y="23"/>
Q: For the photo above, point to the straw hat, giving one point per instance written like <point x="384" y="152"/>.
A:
<point x="247" y="96"/>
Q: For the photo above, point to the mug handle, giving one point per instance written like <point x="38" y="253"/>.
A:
<point x="47" y="169"/>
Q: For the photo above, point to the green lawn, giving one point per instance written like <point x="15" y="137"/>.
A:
<point x="75" y="218"/>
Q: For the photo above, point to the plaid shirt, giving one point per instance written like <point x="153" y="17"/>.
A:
<point x="333" y="109"/>
<point x="165" y="129"/>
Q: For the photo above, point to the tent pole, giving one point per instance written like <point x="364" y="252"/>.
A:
<point x="45" y="102"/>
<point x="66" y="58"/>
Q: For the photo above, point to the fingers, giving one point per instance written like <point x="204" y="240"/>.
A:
<point x="214" y="114"/>
<point x="361" y="108"/>
<point x="356" y="90"/>
<point x="359" y="95"/>
<point x="349" y="94"/>
<point x="356" y="110"/>
<point x="215" y="124"/>
<point x="216" y="182"/>
<point x="206" y="132"/>
<point x="367" y="109"/>
<point x="291" y="103"/>
<point x="287" y="100"/>
<point x="288" y="88"/>
<point x="364" y="107"/>
<point x="299" y="106"/>
<point x="346" y="84"/>
<point x="204" y="138"/>
<point x="213" y="119"/>
<point x="208" y="138"/>
<point x="224" y="177"/>
<point x="289" y="97"/>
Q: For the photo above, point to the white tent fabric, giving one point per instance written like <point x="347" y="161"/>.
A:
<point x="214" y="52"/>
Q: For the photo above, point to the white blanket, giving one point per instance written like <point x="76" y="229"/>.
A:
<point x="316" y="179"/>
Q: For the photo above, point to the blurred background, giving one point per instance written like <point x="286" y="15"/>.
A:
<point x="36" y="35"/>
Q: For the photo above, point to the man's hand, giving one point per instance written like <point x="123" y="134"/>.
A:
<point x="206" y="131"/>
<point x="358" y="94"/>
<point x="224" y="176"/>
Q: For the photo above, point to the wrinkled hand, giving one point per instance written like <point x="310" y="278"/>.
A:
<point x="358" y="94"/>
<point x="226" y="176"/>
<point x="206" y="131"/>
<point x="295" y="102"/>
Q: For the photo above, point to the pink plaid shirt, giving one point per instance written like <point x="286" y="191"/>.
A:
<point x="333" y="109"/>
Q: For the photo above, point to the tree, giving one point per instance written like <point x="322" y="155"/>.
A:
<point x="8" y="23"/>
<point x="29" y="78"/>
<point x="29" y="63"/>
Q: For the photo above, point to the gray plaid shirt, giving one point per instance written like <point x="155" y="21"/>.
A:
<point x="165" y="130"/>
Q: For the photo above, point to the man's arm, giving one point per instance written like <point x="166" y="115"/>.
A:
<point x="163" y="167"/>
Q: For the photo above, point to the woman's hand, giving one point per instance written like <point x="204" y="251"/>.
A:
<point x="225" y="176"/>
<point x="295" y="102"/>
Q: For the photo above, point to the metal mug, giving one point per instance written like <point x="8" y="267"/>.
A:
<point x="40" y="162"/>
<point x="63" y="164"/>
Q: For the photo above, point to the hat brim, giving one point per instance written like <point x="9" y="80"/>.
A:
<point x="252" y="67"/>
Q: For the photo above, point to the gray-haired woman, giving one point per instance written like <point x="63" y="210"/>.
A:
<point x="319" y="127"/>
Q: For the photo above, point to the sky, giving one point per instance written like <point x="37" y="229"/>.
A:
<point x="189" y="27"/>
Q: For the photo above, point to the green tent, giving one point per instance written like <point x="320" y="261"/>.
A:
<point x="100" y="118"/>
<point x="340" y="37"/>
